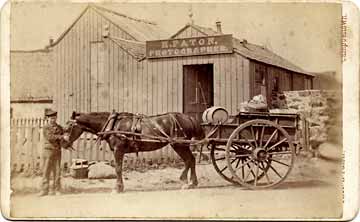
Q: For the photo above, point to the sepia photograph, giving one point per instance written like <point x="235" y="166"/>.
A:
<point x="177" y="110"/>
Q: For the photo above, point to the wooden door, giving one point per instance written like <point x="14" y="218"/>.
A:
<point x="198" y="89"/>
<point x="99" y="84"/>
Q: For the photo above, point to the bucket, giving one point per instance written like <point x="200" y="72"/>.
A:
<point x="215" y="115"/>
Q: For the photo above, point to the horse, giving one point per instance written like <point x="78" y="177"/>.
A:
<point x="169" y="125"/>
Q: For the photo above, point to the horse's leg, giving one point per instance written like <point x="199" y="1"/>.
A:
<point x="180" y="152"/>
<point x="119" y="156"/>
<point x="193" y="176"/>
<point x="184" y="152"/>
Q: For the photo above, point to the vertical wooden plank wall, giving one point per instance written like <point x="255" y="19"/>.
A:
<point x="72" y="64"/>
<point x="164" y="78"/>
<point x="247" y="82"/>
<point x="155" y="86"/>
<point x="72" y="68"/>
<point x="298" y="82"/>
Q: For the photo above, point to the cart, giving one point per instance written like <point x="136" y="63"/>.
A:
<point x="254" y="149"/>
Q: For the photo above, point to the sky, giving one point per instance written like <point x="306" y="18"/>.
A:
<point x="307" y="34"/>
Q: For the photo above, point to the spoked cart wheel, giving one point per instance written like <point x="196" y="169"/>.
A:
<point x="219" y="161"/>
<point x="263" y="152"/>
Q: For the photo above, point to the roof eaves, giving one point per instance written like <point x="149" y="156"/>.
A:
<point x="127" y="40"/>
<point x="198" y="29"/>
<point x="112" y="22"/>
<point x="138" y="58"/>
<point x="123" y="15"/>
<point x="70" y="27"/>
<point x="31" y="100"/>
<point x="259" y="60"/>
<point x="181" y="30"/>
<point x="45" y="50"/>
<point x="204" y="30"/>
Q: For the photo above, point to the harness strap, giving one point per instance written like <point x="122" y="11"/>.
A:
<point x="177" y="124"/>
<point x="136" y="119"/>
<point x="134" y="128"/>
<point x="112" y="117"/>
<point x="158" y="127"/>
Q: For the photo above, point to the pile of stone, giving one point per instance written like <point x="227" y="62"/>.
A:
<point x="321" y="109"/>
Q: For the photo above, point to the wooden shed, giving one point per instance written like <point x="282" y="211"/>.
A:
<point x="101" y="66"/>
<point x="81" y="82"/>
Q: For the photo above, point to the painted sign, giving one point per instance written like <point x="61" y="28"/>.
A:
<point x="189" y="46"/>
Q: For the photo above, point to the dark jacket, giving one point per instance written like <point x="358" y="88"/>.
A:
<point x="52" y="136"/>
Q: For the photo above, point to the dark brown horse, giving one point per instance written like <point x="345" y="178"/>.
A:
<point x="146" y="128"/>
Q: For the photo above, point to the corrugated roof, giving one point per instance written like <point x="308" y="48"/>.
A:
<point x="254" y="52"/>
<point x="134" y="48"/>
<point x="205" y="30"/>
<point x="140" y="29"/>
<point x="264" y="55"/>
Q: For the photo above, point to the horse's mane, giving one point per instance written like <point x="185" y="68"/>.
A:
<point x="98" y="116"/>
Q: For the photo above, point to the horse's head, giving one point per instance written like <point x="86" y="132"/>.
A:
<point x="85" y="122"/>
<point x="73" y="130"/>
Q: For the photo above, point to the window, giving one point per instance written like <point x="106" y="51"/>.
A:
<point x="260" y="72"/>
<point x="276" y="84"/>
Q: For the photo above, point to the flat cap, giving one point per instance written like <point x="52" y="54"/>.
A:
<point x="50" y="112"/>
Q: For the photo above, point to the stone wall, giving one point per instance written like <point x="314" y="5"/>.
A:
<point x="321" y="108"/>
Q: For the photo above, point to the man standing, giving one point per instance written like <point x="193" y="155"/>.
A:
<point x="51" y="156"/>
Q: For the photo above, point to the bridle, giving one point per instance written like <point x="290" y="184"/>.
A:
<point x="84" y="128"/>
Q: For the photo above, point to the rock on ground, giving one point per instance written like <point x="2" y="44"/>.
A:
<point x="101" y="171"/>
<point x="330" y="151"/>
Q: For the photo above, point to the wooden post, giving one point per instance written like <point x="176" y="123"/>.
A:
<point x="82" y="143"/>
<point x="103" y="147"/>
<point x="13" y="143"/>
<point x="147" y="157"/>
<point x="41" y="141"/>
<point x="88" y="145"/>
<point x="27" y="144"/>
<point x="32" y="145"/>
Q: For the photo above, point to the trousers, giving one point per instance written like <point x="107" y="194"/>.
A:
<point x="51" y="159"/>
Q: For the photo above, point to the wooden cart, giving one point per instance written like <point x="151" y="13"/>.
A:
<point x="255" y="150"/>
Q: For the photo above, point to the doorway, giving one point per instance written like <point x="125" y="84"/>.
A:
<point x="198" y="94"/>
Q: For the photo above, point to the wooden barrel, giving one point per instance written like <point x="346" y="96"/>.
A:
<point x="215" y="114"/>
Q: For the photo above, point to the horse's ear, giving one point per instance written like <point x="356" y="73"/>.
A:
<point x="73" y="115"/>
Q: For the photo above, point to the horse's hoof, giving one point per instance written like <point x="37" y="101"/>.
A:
<point x="188" y="186"/>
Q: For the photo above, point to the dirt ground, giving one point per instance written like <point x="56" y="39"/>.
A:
<point x="312" y="190"/>
<point x="305" y="169"/>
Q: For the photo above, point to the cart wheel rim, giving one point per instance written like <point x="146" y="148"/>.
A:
<point x="262" y="166"/>
<point x="222" y="170"/>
